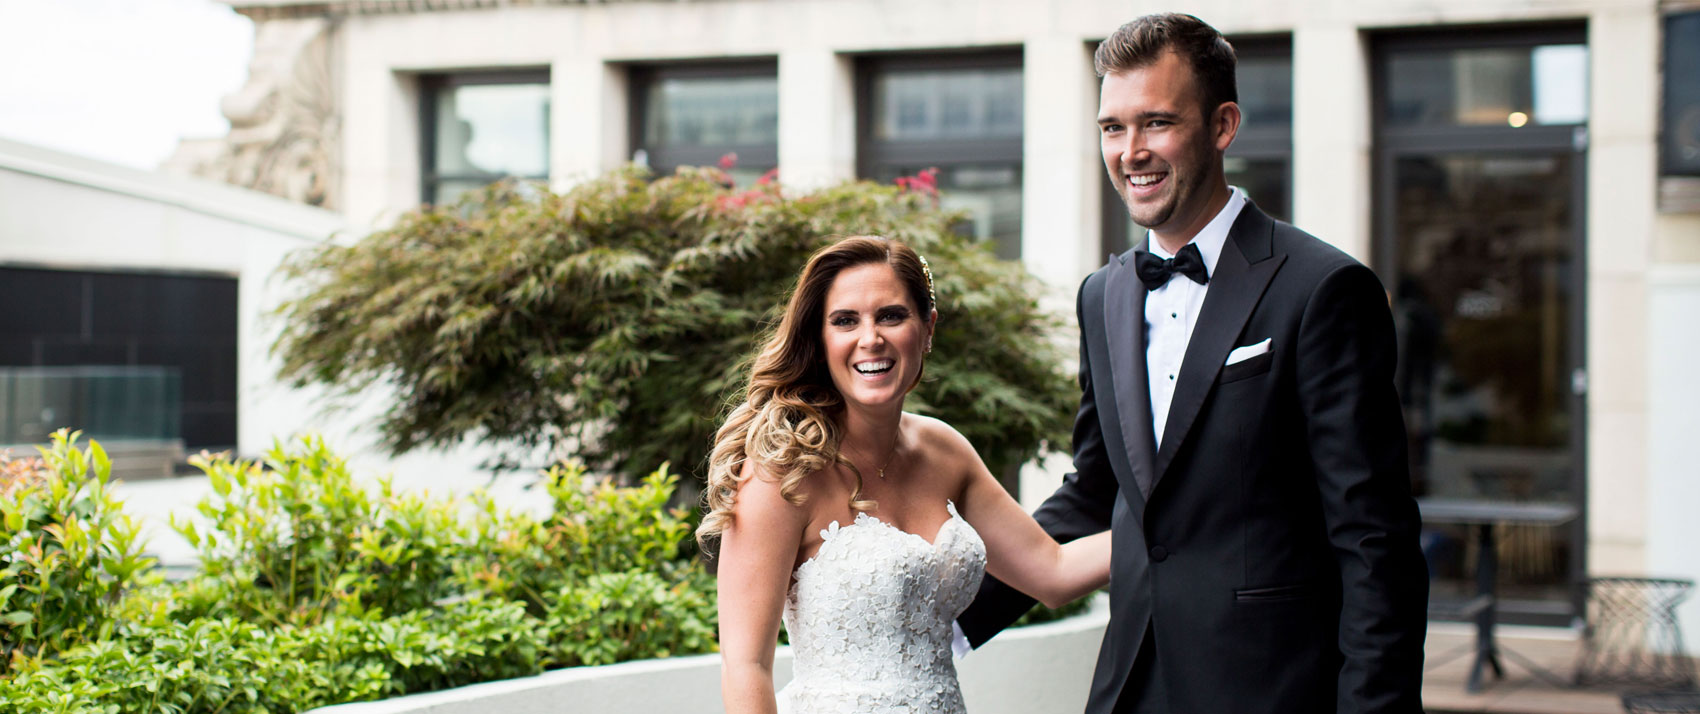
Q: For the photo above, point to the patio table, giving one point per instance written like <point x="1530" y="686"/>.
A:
<point x="1484" y="516"/>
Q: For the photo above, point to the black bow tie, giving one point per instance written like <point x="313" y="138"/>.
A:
<point x="1155" y="272"/>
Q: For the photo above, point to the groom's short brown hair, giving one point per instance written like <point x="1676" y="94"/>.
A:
<point x="1141" y="42"/>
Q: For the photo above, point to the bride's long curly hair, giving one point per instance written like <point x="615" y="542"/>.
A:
<point x="789" y="420"/>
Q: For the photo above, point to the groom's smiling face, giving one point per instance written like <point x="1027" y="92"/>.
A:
<point x="1162" y="147"/>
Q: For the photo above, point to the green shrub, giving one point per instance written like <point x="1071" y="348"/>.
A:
<point x="68" y="554"/>
<point x="595" y="527"/>
<point x="209" y="666"/>
<point x="616" y="317"/>
<point x="636" y="614"/>
<point x="294" y="538"/>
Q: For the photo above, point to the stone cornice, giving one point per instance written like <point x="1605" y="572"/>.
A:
<point x="285" y="9"/>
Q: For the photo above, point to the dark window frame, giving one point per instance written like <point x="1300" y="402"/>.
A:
<point x="1390" y="143"/>
<point x="1252" y="143"/>
<point x="663" y="160"/>
<point x="431" y="86"/>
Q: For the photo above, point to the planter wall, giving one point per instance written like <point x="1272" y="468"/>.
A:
<point x="1032" y="670"/>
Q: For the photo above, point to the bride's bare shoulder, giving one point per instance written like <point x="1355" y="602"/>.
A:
<point x="934" y="434"/>
<point x="761" y="497"/>
<point x="942" y="443"/>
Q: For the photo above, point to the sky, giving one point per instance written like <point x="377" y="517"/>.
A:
<point x="118" y="80"/>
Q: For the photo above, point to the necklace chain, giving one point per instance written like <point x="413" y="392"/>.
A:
<point x="891" y="455"/>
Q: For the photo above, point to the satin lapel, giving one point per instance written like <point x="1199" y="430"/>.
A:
<point x="1124" y="324"/>
<point x="1235" y="288"/>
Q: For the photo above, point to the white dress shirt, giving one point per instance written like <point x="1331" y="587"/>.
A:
<point x="1172" y="310"/>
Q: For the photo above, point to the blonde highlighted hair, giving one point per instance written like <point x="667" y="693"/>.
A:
<point x="788" y="420"/>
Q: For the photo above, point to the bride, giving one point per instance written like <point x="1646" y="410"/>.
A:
<point x="867" y="529"/>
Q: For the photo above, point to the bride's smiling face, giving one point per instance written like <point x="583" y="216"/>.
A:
<point x="874" y="336"/>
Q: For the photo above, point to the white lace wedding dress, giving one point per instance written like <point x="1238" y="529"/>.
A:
<point x="870" y="619"/>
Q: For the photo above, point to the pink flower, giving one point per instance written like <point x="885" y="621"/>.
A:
<point x="728" y="161"/>
<point x="772" y="176"/>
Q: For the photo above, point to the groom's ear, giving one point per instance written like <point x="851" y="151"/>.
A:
<point x="1225" y="124"/>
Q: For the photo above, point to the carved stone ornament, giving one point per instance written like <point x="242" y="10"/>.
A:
<point x="285" y="125"/>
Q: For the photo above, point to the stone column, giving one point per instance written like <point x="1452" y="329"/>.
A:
<point x="1331" y="135"/>
<point x="817" y="117"/>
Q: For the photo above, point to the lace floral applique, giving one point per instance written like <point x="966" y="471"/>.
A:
<point x="870" y="618"/>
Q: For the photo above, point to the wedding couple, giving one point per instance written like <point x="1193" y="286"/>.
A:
<point x="1240" y="471"/>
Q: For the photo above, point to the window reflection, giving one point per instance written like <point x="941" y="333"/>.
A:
<point x="500" y="129"/>
<point x="711" y="111"/>
<point x="960" y="114"/>
<point x="990" y="195"/>
<point x="1266" y="91"/>
<point x="484" y="128"/>
<point x="695" y="114"/>
<point x="1493" y="86"/>
<point x="1481" y="307"/>
<point x="948" y="104"/>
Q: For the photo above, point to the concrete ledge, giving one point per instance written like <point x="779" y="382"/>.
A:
<point x="1031" y="670"/>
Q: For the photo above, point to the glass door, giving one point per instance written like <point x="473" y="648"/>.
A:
<point x="1480" y="167"/>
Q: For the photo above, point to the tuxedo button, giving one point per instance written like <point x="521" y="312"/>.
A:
<point x="1159" y="554"/>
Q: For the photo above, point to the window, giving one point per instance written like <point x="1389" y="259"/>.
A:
<point x="694" y="114"/>
<point x="1260" y="159"/>
<point x="478" y="128"/>
<point x="1680" y="139"/>
<point x="124" y="356"/>
<point x="959" y="113"/>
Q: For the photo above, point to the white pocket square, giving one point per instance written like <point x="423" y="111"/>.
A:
<point x="1241" y="354"/>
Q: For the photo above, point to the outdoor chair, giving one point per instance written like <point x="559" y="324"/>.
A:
<point x="1632" y="637"/>
<point x="1661" y="702"/>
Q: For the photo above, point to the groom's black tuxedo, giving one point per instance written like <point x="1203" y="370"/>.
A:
<point x="1265" y="553"/>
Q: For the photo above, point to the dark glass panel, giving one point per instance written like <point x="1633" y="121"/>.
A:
<point x="990" y="195"/>
<point x="1491" y="86"/>
<point x="953" y="104"/>
<point x="1266" y="92"/>
<point x="1481" y="304"/>
<point x="712" y="112"/>
<point x="40" y="302"/>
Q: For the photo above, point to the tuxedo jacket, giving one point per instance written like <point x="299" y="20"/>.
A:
<point x="1268" y="546"/>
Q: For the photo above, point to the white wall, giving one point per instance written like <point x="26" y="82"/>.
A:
<point x="63" y="211"/>
<point x="1673" y="471"/>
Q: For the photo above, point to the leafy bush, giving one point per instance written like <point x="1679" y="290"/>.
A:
<point x="616" y="617"/>
<point x="294" y="538"/>
<point x="226" y="665"/>
<point x="69" y="551"/>
<point x="317" y="592"/>
<point x="595" y="527"/>
<point x="613" y="321"/>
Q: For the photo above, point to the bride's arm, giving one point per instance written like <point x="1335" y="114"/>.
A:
<point x="1018" y="551"/>
<point x="756" y="554"/>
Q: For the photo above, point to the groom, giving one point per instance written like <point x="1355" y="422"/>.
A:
<point x="1238" y="429"/>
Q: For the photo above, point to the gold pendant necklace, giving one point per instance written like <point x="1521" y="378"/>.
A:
<point x="892" y="455"/>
